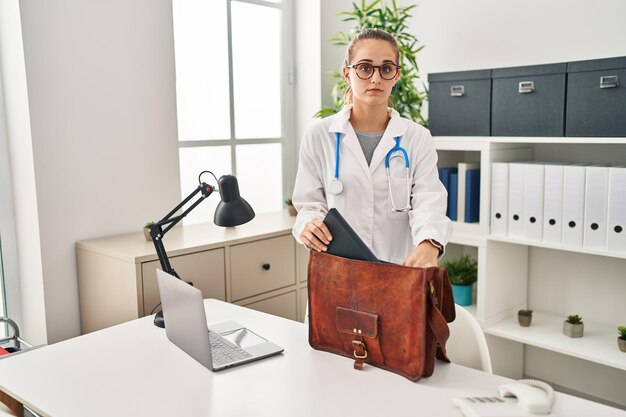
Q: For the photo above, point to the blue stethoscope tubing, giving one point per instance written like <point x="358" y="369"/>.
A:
<point x="336" y="186"/>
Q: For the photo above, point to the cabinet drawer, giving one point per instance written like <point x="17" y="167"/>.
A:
<point x="283" y="305"/>
<point x="460" y="103"/>
<point x="204" y="269"/>
<point x="528" y="101"/>
<point x="596" y="98"/>
<point x="262" y="266"/>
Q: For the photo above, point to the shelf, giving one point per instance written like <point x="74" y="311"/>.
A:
<point x="471" y="234"/>
<point x="556" y="246"/>
<point x="479" y="142"/>
<point x="599" y="343"/>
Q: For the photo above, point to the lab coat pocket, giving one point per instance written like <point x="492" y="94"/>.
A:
<point x="398" y="198"/>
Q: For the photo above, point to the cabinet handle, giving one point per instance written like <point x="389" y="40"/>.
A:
<point x="526" y="87"/>
<point x="609" y="81"/>
<point x="457" y="91"/>
<point x="267" y="267"/>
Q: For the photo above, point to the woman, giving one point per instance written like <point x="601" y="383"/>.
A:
<point x="400" y="217"/>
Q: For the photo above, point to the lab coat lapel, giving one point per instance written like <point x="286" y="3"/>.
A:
<point x="395" y="127"/>
<point x="349" y="141"/>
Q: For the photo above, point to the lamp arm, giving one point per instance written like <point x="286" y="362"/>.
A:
<point x="157" y="232"/>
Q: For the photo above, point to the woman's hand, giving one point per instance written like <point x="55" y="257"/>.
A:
<point x="316" y="235"/>
<point x="424" y="255"/>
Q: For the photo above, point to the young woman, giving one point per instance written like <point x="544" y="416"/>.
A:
<point x="356" y="161"/>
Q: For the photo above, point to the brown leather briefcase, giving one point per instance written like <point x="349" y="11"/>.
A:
<point x="390" y="316"/>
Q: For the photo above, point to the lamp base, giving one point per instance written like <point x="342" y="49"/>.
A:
<point x="159" y="320"/>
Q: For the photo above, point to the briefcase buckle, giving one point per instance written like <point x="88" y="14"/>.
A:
<point x="362" y="346"/>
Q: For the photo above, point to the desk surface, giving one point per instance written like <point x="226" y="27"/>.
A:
<point x="133" y="370"/>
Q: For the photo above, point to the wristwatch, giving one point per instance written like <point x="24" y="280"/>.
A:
<point x="436" y="244"/>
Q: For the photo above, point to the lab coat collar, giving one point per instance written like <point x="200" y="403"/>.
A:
<point x="341" y="122"/>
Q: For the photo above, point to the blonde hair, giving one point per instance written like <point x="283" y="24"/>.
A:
<point x="378" y="34"/>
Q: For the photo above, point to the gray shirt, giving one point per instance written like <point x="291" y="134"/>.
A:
<point x="369" y="141"/>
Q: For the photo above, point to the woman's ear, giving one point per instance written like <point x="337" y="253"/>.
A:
<point x="346" y="73"/>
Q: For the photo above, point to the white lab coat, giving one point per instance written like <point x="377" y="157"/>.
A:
<point x="365" y="201"/>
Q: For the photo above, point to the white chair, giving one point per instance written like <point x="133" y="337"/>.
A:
<point x="467" y="345"/>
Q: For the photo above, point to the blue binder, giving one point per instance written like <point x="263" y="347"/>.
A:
<point x="444" y="177"/>
<point x="453" y="195"/>
<point x="472" y="196"/>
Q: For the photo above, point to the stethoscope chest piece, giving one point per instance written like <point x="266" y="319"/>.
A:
<point x="335" y="186"/>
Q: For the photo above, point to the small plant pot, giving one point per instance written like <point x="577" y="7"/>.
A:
<point x="573" y="330"/>
<point x="146" y="234"/>
<point x="292" y="210"/>
<point x="621" y="343"/>
<point x="524" y="320"/>
<point x="462" y="294"/>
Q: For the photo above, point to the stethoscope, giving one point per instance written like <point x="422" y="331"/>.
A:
<point x="335" y="186"/>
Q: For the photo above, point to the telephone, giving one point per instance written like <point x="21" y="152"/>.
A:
<point x="526" y="397"/>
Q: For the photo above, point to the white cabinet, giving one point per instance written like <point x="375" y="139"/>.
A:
<point x="257" y="264"/>
<point x="553" y="279"/>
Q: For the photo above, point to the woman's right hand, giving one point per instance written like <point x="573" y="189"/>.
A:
<point x="316" y="235"/>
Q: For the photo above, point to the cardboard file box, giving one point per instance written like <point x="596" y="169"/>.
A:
<point x="596" y="98"/>
<point x="459" y="103"/>
<point x="528" y="101"/>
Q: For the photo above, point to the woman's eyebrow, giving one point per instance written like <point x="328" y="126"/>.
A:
<point x="386" y="61"/>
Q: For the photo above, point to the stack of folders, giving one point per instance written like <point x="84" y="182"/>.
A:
<point x="463" y="185"/>
<point x="576" y="205"/>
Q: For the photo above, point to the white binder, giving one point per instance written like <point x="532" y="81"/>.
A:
<point x="499" y="197"/>
<point x="516" y="200"/>
<point x="553" y="203"/>
<point x="573" y="205"/>
<point x="616" y="232"/>
<point x="596" y="196"/>
<point x="533" y="201"/>
<point x="460" y="207"/>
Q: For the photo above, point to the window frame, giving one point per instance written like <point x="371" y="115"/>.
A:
<point x="286" y="140"/>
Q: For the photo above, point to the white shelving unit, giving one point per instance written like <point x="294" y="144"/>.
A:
<point x="515" y="273"/>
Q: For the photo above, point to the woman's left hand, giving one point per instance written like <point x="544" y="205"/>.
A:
<point x="424" y="255"/>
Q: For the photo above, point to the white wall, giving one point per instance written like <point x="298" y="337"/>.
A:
<point x="101" y="94"/>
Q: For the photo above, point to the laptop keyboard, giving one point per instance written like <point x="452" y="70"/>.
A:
<point x="223" y="352"/>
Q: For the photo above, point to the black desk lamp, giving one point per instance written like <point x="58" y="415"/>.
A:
<point x="231" y="211"/>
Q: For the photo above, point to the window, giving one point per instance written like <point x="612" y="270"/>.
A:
<point x="233" y="72"/>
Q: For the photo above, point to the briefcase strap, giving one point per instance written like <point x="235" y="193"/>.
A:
<point x="438" y="326"/>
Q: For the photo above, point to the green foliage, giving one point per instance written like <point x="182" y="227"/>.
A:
<point x="149" y="225"/>
<point x="406" y="98"/>
<point x="462" y="271"/>
<point x="622" y="332"/>
<point x="574" y="319"/>
<point x="289" y="202"/>
<point x="525" y="313"/>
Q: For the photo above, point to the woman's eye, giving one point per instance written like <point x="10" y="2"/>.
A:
<point x="387" y="69"/>
<point x="366" y="69"/>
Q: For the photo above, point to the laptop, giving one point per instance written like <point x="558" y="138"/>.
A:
<point x="346" y="243"/>
<point x="216" y="347"/>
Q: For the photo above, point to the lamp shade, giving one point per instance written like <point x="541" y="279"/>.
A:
<point x="232" y="210"/>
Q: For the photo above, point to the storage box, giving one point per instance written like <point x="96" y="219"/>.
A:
<point x="596" y="98"/>
<point x="528" y="101"/>
<point x="459" y="103"/>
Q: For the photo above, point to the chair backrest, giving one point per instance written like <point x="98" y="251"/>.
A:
<point x="467" y="345"/>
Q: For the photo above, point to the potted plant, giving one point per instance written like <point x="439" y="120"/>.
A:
<point x="621" y="339"/>
<point x="463" y="274"/>
<point x="524" y="317"/>
<point x="146" y="231"/>
<point x="573" y="326"/>
<point x="406" y="97"/>
<point x="290" y="207"/>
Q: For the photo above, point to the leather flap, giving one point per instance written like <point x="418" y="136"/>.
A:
<point x="357" y="322"/>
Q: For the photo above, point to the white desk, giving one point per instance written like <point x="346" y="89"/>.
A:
<point x="133" y="370"/>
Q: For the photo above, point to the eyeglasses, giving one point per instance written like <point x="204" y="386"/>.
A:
<point x="365" y="71"/>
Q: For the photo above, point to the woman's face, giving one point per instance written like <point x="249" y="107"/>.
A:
<point x="375" y="90"/>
